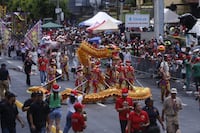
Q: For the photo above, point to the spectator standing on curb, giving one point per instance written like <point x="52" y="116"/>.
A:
<point x="171" y="107"/>
<point x="54" y="101"/>
<point x="42" y="66"/>
<point x="78" y="121"/>
<point x="153" y="114"/>
<point x="34" y="56"/>
<point x="196" y="73"/>
<point x="4" y="80"/>
<point x="39" y="114"/>
<point x="27" y="69"/>
<point x="23" y="51"/>
<point x="9" y="113"/>
<point x="188" y="69"/>
<point x="26" y="107"/>
<point x="123" y="106"/>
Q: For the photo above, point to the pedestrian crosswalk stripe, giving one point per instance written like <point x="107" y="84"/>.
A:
<point x="100" y="104"/>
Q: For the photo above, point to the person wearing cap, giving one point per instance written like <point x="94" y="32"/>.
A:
<point x="39" y="114"/>
<point x="138" y="120"/>
<point x="26" y="107"/>
<point x="9" y="114"/>
<point x="71" y="101"/>
<point x="123" y="106"/>
<point x="54" y="101"/>
<point x="27" y="69"/>
<point x="153" y="114"/>
<point x="4" y="80"/>
<point x="170" y="112"/>
<point x="42" y="66"/>
<point x="64" y="59"/>
<point x="78" y="120"/>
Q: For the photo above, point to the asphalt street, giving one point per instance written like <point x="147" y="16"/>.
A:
<point x="103" y="118"/>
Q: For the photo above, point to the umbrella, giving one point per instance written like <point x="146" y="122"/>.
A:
<point x="96" y="40"/>
<point x="51" y="25"/>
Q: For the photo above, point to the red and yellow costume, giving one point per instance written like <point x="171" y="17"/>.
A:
<point x="129" y="72"/>
<point x="79" y="78"/>
<point x="121" y="75"/>
<point x="165" y="85"/>
<point x="111" y="75"/>
<point x="51" y="73"/>
<point x="96" y="78"/>
<point x="64" y="66"/>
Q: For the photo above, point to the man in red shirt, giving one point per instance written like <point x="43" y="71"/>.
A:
<point x="123" y="105"/>
<point x="78" y="121"/>
<point x="42" y="66"/>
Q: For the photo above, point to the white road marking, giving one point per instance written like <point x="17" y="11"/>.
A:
<point x="10" y="62"/>
<point x="20" y="67"/>
<point x="100" y="104"/>
<point x="184" y="104"/>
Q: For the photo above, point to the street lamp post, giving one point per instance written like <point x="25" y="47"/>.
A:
<point x="121" y="10"/>
<point x="158" y="18"/>
<point x="58" y="11"/>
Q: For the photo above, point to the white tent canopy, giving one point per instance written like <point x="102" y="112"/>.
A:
<point x="170" y="16"/>
<point x="99" y="18"/>
<point x="106" y="26"/>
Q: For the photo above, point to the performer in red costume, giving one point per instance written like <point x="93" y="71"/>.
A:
<point x="121" y="74"/>
<point x="129" y="71"/>
<point x="96" y="77"/>
<point x="79" y="77"/>
<point x="51" y="74"/>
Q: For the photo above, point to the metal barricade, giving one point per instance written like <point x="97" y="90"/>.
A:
<point x="144" y="65"/>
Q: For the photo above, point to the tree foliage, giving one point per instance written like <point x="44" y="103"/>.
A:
<point x="37" y="9"/>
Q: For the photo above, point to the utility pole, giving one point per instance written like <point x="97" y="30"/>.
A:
<point x="58" y="11"/>
<point x="158" y="18"/>
<point x="199" y="3"/>
<point x="121" y="10"/>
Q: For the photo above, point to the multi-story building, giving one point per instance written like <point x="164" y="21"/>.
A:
<point x="87" y="7"/>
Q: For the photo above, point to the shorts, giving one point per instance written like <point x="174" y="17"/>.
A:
<point x="55" y="114"/>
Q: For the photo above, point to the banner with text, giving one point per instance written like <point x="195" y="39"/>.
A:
<point x="34" y="35"/>
<point x="137" y="20"/>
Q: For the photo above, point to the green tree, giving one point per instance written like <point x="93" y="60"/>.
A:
<point x="37" y="9"/>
